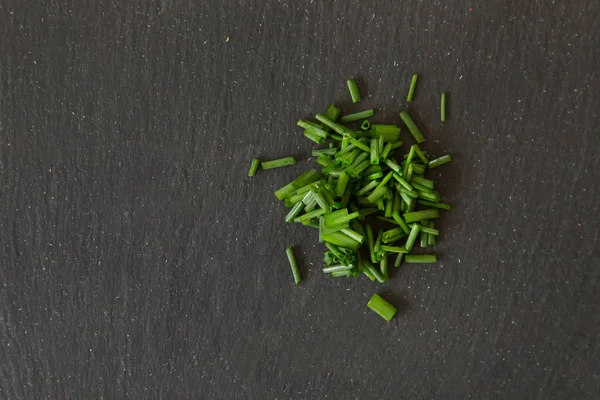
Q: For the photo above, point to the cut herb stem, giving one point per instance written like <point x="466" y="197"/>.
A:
<point x="353" y="88"/>
<point x="293" y="264"/>
<point x="254" y="167"/>
<point x="282" y="162"/>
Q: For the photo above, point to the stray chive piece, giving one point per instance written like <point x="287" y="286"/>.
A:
<point x="293" y="264"/>
<point x="439" y="161"/>
<point x="420" y="258"/>
<point x="443" y="107"/>
<point x="382" y="307"/>
<point x="282" y="162"/>
<point x="254" y="167"/>
<point x="413" y="85"/>
<point x="356" y="116"/>
<point x="354" y="93"/>
<point x="412" y="128"/>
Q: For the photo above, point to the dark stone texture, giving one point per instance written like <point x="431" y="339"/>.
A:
<point x="139" y="262"/>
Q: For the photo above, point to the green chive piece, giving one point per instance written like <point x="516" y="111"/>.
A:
<point x="403" y="182"/>
<point x="417" y="216"/>
<point x="440" y="161"/>
<point x="423" y="182"/>
<point x="412" y="237"/>
<point x="401" y="222"/>
<point x="419" y="153"/>
<point x="374" y="176"/>
<point x="413" y="85"/>
<point x="390" y="133"/>
<point x="420" y="258"/>
<point x="443" y="107"/>
<point x="374" y="151"/>
<point x="354" y="93"/>
<point x="337" y="268"/>
<point x="342" y="182"/>
<point x="294" y="212"/>
<point x="424" y="235"/>
<point x="305" y="179"/>
<point x="341" y="129"/>
<point x="282" y="162"/>
<point x="358" y="144"/>
<point x="293" y="264"/>
<point x="383" y="267"/>
<point x="393" y="249"/>
<point x="380" y="278"/>
<point x="398" y="260"/>
<point x="254" y="167"/>
<point x="356" y="116"/>
<point x="431" y="238"/>
<point x="412" y="128"/>
<point x="377" y="194"/>
<point x="386" y="150"/>
<point x="427" y="229"/>
<point x="377" y="245"/>
<point x="333" y="112"/>
<point x="442" y="206"/>
<point x="382" y="307"/>
<point x="365" y="125"/>
<point x="313" y="129"/>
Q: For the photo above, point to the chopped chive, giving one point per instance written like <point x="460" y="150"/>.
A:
<point x="385" y="180"/>
<point x="367" y="188"/>
<point x="297" y="209"/>
<point x="420" y="258"/>
<point x="354" y="93"/>
<point x="342" y="182"/>
<point x="430" y="196"/>
<point x="377" y="194"/>
<point x="403" y="182"/>
<point x="313" y="129"/>
<point x="314" y="137"/>
<point x="396" y="205"/>
<point x="443" y="107"/>
<point x="418" y="169"/>
<point x="412" y="237"/>
<point x="254" y="167"/>
<point x="386" y="150"/>
<point x="282" y="162"/>
<point x="365" y="125"/>
<point x="393" y="249"/>
<point x="320" y="152"/>
<point x="419" y="153"/>
<point x="356" y="116"/>
<point x="293" y="264"/>
<point x="358" y="144"/>
<point x="398" y="260"/>
<point x="337" y="268"/>
<point x="390" y="133"/>
<point x="377" y="245"/>
<point x="339" y="274"/>
<point x="392" y="164"/>
<point x="401" y="222"/>
<point x="424" y="235"/>
<point x="439" y="161"/>
<point x="374" y="151"/>
<point x="412" y="128"/>
<point x="383" y="267"/>
<point x="374" y="271"/>
<point x="380" y="144"/>
<point x="431" y="238"/>
<point x="413" y="85"/>
<point x="354" y="235"/>
<point x="388" y="208"/>
<point x="425" y="228"/>
<point x="333" y="113"/>
<point x="305" y="179"/>
<point x="374" y="176"/>
<point x="382" y="307"/>
<point x="341" y="129"/>
<point x="423" y="182"/>
<point x="417" y="216"/>
<point x="370" y="242"/>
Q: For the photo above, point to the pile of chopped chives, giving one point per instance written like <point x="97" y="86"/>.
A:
<point x="370" y="201"/>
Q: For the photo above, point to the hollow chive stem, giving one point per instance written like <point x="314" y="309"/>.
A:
<point x="401" y="222"/>
<point x="254" y="167"/>
<point x="443" y="107"/>
<point x="295" y="211"/>
<point x="353" y="88"/>
<point x="414" y="232"/>
<point x="358" y="144"/>
<point x="342" y="183"/>
<point x="377" y="194"/>
<point x="420" y="258"/>
<point x="417" y="216"/>
<point x="282" y="162"/>
<point x="413" y="85"/>
<point x="337" y="268"/>
<point x="356" y="116"/>
<point x="431" y="238"/>
<point x="439" y="161"/>
<point x="374" y="151"/>
<point x="382" y="307"/>
<point x="365" y="125"/>
<point x="412" y="128"/>
<point x="398" y="260"/>
<point x="293" y="264"/>
<point x="341" y="129"/>
<point x="383" y="267"/>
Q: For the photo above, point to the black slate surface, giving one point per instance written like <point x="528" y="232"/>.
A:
<point x="139" y="262"/>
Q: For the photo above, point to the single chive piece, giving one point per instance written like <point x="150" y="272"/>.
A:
<point x="368" y="274"/>
<point x="377" y="194"/>
<point x="293" y="264"/>
<point x="396" y="204"/>
<point x="356" y="116"/>
<point x="427" y="229"/>
<point x="337" y="137"/>
<point x="423" y="182"/>
<point x="339" y="274"/>
<point x="380" y="278"/>
<point x="374" y="176"/>
<point x="388" y="209"/>
<point x="386" y="151"/>
<point x="328" y="152"/>
<point x="390" y="133"/>
<point x="398" y="260"/>
<point x="324" y="160"/>
<point x="282" y="162"/>
<point x="341" y="129"/>
<point x="345" y="150"/>
<point x="385" y="180"/>
<point x="419" y="153"/>
<point x="342" y="182"/>
<point x="311" y="215"/>
<point x="383" y="267"/>
<point x="337" y="268"/>
<point x="342" y="240"/>
<point x="380" y="144"/>
<point x="424" y="235"/>
<point x="412" y="237"/>
<point x="333" y="112"/>
<point x="303" y="180"/>
<point x="365" y="125"/>
<point x="354" y="235"/>
<point x="374" y="151"/>
<point x="377" y="245"/>
<point x="370" y="242"/>
<point x="443" y="107"/>
<point x="367" y="188"/>
<point x="413" y="85"/>
<point x="431" y="238"/>
<point x="254" y="167"/>
<point x="417" y="216"/>
<point x="442" y="206"/>
<point x="403" y="182"/>
<point x="358" y="144"/>
<point x="412" y="128"/>
<point x="418" y="169"/>
<point x="382" y="307"/>
<point x="394" y="249"/>
<point x="440" y="161"/>
<point x="294" y="212"/>
<point x="313" y="128"/>
<point x="354" y="93"/>
<point x="435" y="197"/>
<point x="314" y="137"/>
<point x="386" y="219"/>
<point x="420" y="258"/>
<point x="401" y="222"/>
<point x="392" y="164"/>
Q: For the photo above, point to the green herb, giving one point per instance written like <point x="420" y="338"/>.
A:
<point x="413" y="85"/>
<point x="439" y="161"/>
<point x="356" y="116"/>
<point x="293" y="264"/>
<point x="254" y="167"/>
<point x="443" y="107"/>
<point x="412" y="128"/>
<point x="282" y="162"/>
<point x="420" y="258"/>
<point x="382" y="307"/>
<point x="353" y="87"/>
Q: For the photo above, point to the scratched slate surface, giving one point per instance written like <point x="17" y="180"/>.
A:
<point x="139" y="262"/>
